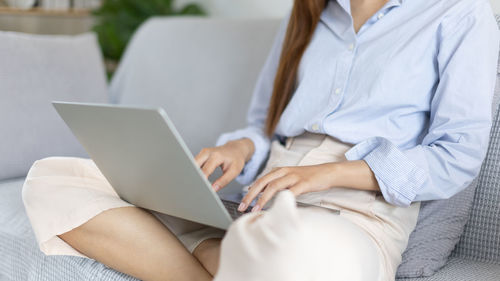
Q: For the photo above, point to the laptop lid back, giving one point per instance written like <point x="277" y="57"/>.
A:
<point x="141" y="154"/>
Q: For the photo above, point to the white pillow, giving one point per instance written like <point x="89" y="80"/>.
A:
<point x="35" y="70"/>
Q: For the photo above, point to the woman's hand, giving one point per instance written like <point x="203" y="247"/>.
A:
<point x="298" y="180"/>
<point x="231" y="157"/>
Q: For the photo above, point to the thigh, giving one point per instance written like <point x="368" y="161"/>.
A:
<point x="343" y="249"/>
<point x="290" y="243"/>
<point x="191" y="234"/>
<point x="178" y="226"/>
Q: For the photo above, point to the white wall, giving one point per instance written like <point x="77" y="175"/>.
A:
<point x="244" y="8"/>
<point x="496" y="6"/>
<point x="251" y="8"/>
<point x="262" y="8"/>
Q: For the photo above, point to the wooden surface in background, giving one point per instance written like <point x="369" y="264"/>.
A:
<point x="40" y="21"/>
<point x="43" y="12"/>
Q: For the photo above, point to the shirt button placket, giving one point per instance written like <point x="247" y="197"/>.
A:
<point x="343" y="71"/>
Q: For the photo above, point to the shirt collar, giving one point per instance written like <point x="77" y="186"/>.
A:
<point x="336" y="17"/>
<point x="337" y="14"/>
<point x="393" y="3"/>
<point x="346" y="4"/>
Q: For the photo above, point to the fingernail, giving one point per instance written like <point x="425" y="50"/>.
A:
<point x="256" y="208"/>
<point x="242" y="207"/>
<point x="216" y="187"/>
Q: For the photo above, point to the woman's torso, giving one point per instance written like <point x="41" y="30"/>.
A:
<point x="378" y="82"/>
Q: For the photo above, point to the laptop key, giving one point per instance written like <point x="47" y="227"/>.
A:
<point x="232" y="208"/>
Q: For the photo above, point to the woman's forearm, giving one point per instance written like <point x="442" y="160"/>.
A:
<point x="305" y="179"/>
<point x="353" y="174"/>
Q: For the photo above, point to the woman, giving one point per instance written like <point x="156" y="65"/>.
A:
<point x="372" y="106"/>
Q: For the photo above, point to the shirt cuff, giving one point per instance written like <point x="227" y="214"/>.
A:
<point x="398" y="177"/>
<point x="261" y="144"/>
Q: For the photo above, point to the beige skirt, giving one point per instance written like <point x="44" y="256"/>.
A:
<point x="61" y="194"/>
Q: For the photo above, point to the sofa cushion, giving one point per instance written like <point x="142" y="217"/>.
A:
<point x="35" y="70"/>
<point x="440" y="224"/>
<point x="459" y="269"/>
<point x="481" y="238"/>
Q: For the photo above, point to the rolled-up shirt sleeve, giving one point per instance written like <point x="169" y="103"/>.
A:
<point x="450" y="155"/>
<point x="257" y="113"/>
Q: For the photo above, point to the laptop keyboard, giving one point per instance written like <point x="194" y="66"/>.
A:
<point x="232" y="208"/>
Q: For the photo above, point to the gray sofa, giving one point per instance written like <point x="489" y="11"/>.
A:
<point x="202" y="72"/>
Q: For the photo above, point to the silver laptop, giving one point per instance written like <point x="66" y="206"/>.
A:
<point x="144" y="158"/>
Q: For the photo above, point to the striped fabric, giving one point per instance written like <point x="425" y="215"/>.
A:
<point x="458" y="269"/>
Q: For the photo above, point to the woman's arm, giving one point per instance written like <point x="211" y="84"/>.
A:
<point x="305" y="179"/>
<point x="449" y="156"/>
<point x="354" y="174"/>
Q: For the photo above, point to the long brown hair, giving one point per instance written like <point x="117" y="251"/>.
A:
<point x="303" y="21"/>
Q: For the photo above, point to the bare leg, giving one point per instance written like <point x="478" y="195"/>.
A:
<point x="133" y="241"/>
<point x="208" y="253"/>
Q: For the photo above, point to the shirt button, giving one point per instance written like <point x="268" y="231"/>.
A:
<point x="380" y="16"/>
<point x="315" y="127"/>
<point x="338" y="91"/>
<point x="351" y="47"/>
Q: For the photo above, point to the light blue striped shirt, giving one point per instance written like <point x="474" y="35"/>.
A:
<point x="412" y="90"/>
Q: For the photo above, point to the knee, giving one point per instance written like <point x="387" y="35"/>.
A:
<point x="315" y="245"/>
<point x="336" y="249"/>
<point x="43" y="171"/>
<point x="345" y="251"/>
<point x="56" y="166"/>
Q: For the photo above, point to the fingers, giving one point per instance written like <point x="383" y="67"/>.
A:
<point x="258" y="186"/>
<point x="231" y="173"/>
<point x="272" y="188"/>
<point x="202" y="157"/>
<point x="210" y="165"/>
<point x="209" y="160"/>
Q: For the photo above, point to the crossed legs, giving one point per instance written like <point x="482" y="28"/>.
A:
<point x="61" y="192"/>
<point x="133" y="241"/>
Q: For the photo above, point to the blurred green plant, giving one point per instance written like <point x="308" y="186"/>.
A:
<point x="116" y="21"/>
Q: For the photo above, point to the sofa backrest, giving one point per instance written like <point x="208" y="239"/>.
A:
<point x="212" y="64"/>
<point x="35" y="70"/>
<point x="480" y="240"/>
